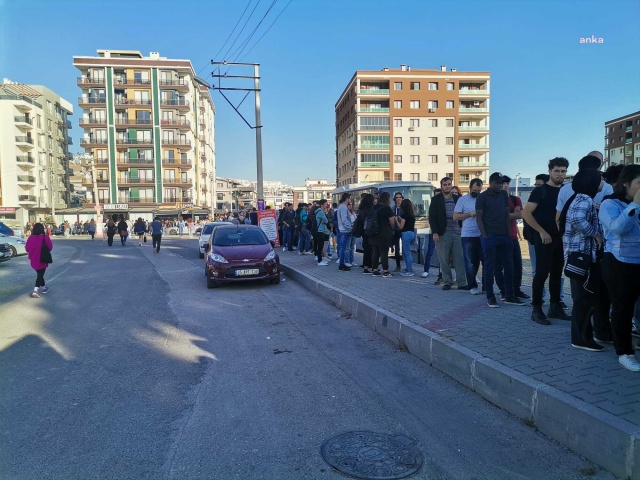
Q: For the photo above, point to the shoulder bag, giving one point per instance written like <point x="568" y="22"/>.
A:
<point x="45" y="253"/>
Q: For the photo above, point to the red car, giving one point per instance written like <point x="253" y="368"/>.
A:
<point x="240" y="253"/>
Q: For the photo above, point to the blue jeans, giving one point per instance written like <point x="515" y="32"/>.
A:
<point x="429" y="247"/>
<point x="329" y="249"/>
<point x="344" y="245"/>
<point x="473" y="257"/>
<point x="407" y="239"/>
<point x="352" y="250"/>
<point x="304" y="241"/>
<point x="287" y="237"/>
<point x="492" y="247"/>
<point x="517" y="269"/>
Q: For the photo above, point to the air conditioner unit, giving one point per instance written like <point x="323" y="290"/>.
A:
<point x="411" y="129"/>
<point x="476" y="103"/>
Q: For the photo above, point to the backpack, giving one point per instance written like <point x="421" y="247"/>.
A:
<point x="358" y="227"/>
<point x="371" y="226"/>
<point x="297" y="222"/>
<point x="528" y="232"/>
<point x="312" y="223"/>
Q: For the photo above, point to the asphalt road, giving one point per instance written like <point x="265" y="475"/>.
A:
<point x="132" y="368"/>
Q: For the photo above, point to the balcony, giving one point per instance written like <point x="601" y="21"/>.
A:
<point x="87" y="82"/>
<point x="133" y="121"/>
<point x="374" y="110"/>
<point x="24" y="140"/>
<point x="179" y="104"/>
<point x="69" y="141"/>
<point x="29" y="179"/>
<point x="68" y="123"/>
<point x="102" y="161"/>
<point x="181" y="124"/>
<point x="91" y="121"/>
<point x="471" y="92"/>
<point x="473" y="165"/>
<point x="88" y="142"/>
<point x="374" y="164"/>
<point x="629" y="128"/>
<point x="472" y="128"/>
<point x="374" y="91"/>
<point x="464" y="182"/>
<point x="27" y="199"/>
<point x="23" y="121"/>
<point x="125" y="199"/>
<point x="375" y="146"/>
<point x="179" y="85"/>
<point x="473" y="110"/>
<point x="136" y="181"/>
<point x="177" y="200"/>
<point x="126" y="142"/>
<point x="144" y="102"/>
<point x="176" y="142"/>
<point x="139" y="82"/>
<point x="176" y="162"/>
<point x="177" y="182"/>
<point x="88" y="101"/>
<point x="25" y="161"/>
<point x="127" y="162"/>
<point x="102" y="181"/>
<point x="473" y="146"/>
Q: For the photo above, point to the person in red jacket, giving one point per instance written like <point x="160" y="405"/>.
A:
<point x="34" y="249"/>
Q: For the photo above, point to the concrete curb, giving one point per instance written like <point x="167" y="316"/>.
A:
<point x="589" y="431"/>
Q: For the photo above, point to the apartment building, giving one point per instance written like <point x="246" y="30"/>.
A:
<point x="149" y="126"/>
<point x="233" y="195"/>
<point x="34" y="151"/>
<point x="413" y="125"/>
<point x="622" y="140"/>
<point x="313" y="189"/>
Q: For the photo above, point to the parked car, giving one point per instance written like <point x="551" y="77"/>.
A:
<point x="6" y="230"/>
<point x="16" y="244"/>
<point x="206" y="233"/>
<point x="240" y="253"/>
<point x="5" y="252"/>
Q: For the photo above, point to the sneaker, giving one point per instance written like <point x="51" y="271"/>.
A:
<point x="337" y="261"/>
<point x="398" y="269"/>
<point x="603" y="341"/>
<point x="523" y="296"/>
<point x="635" y="333"/>
<point x="474" y="291"/>
<point x="447" y="286"/>
<point x="344" y="268"/>
<point x="424" y="274"/>
<point x="299" y="253"/>
<point x="439" y="282"/>
<point x="538" y="316"/>
<point x="387" y="274"/>
<point x="35" y="294"/>
<point x="592" y="347"/>
<point x="556" y="311"/>
<point x="514" y="301"/>
<point x="322" y="264"/>
<point x="376" y="273"/>
<point x="630" y="362"/>
<point x="284" y="249"/>
<point x="502" y="297"/>
<point x="348" y="265"/>
<point x="563" y="305"/>
<point x="367" y="272"/>
<point x="407" y="274"/>
<point x="44" y="290"/>
<point x="464" y="287"/>
<point x="492" y="302"/>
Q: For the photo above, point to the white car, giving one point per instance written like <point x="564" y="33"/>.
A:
<point x="16" y="244"/>
<point x="206" y="233"/>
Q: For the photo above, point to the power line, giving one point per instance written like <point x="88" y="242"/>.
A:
<point x="267" y="31"/>
<point x="234" y="29"/>
<point x="253" y="32"/>
<point x="242" y="29"/>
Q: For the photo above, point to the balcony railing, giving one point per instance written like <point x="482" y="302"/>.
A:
<point x="133" y="121"/>
<point x="122" y="199"/>
<point x="102" y="161"/>
<point x="27" y="198"/>
<point x="177" y="181"/>
<point x="134" y="141"/>
<point x="472" y="145"/>
<point x="92" y="121"/>
<point x="472" y="128"/>
<point x="69" y="125"/>
<point x="177" y="123"/>
<point x="25" y="159"/>
<point x="473" y="110"/>
<point x="375" y="145"/>
<point x="69" y="141"/>
<point x="374" y="91"/>
<point x="131" y="81"/>
<point x="464" y="182"/>
<point x="176" y="161"/>
<point x="471" y="91"/>
<point x="23" y="119"/>
<point x="135" y="160"/>
<point x="173" y="83"/>
<point x="136" y="180"/>
<point x="132" y="101"/>
<point x="174" y="103"/>
<point x="374" y="164"/>
<point x="100" y="99"/>
<point x="472" y="164"/>
<point x="102" y="180"/>
<point x="26" y="178"/>
<point x="374" y="109"/>
<point x="177" y="199"/>
<point x="90" y="81"/>
<point x="94" y="141"/>
<point x="167" y="141"/>
<point x="23" y="139"/>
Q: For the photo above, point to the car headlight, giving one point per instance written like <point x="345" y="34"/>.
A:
<point x="217" y="258"/>
<point x="270" y="256"/>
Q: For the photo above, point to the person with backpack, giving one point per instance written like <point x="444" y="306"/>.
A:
<point x="540" y="214"/>
<point x="380" y="225"/>
<point x="123" y="230"/>
<point x="304" y="239"/>
<point x="319" y="224"/>
<point x="366" y="204"/>
<point x="34" y="246"/>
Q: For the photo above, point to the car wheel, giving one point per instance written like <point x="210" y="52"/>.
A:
<point x="211" y="283"/>
<point x="14" y="252"/>
<point x="201" y="255"/>
<point x="275" y="281"/>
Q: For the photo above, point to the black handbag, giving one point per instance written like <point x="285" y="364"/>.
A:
<point x="578" y="265"/>
<point x="45" y="253"/>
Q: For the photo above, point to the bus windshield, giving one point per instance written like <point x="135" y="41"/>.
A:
<point x="420" y="196"/>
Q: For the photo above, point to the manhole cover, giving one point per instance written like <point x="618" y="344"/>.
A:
<point x="372" y="456"/>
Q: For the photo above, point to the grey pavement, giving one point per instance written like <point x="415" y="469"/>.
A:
<point x="592" y="395"/>
<point x="132" y="368"/>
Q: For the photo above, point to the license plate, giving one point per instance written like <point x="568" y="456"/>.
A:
<point x="248" y="271"/>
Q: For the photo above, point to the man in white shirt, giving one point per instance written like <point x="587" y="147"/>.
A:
<point x="465" y="211"/>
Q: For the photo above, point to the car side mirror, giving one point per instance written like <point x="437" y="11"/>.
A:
<point x="206" y="247"/>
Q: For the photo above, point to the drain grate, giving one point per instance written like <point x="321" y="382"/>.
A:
<point x="372" y="456"/>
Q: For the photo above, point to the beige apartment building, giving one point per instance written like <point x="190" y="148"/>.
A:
<point x="622" y="140"/>
<point x="34" y="152"/>
<point x="413" y="125"/>
<point x="313" y="189"/>
<point x="149" y="126"/>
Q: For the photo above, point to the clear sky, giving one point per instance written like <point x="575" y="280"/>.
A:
<point x="550" y="94"/>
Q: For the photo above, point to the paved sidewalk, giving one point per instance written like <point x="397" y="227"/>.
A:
<point x="585" y="400"/>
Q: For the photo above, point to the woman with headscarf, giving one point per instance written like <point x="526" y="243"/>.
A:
<point x="620" y="218"/>
<point x="123" y="230"/>
<point x="111" y="231"/>
<point x="581" y="232"/>
<point x="33" y="247"/>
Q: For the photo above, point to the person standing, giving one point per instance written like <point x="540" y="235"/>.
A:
<point x="156" y="234"/>
<point x="91" y="228"/>
<point x="366" y="204"/>
<point x="321" y="234"/>
<point x="494" y="223"/>
<point x="382" y="239"/>
<point x="620" y="218"/>
<point x="111" y="228"/>
<point x="33" y="247"/>
<point x="123" y="230"/>
<point x="397" y="233"/>
<point x="407" y="224"/>
<point x="446" y="234"/>
<point x="139" y="229"/>
<point x="430" y="248"/>
<point x="287" y="227"/>
<point x="540" y="214"/>
<point x="344" y="227"/>
<point x="181" y="225"/>
<point x="465" y="211"/>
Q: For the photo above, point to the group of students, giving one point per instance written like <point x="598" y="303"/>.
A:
<point x="140" y="229"/>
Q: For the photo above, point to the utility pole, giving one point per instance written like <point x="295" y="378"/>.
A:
<point x="258" y="125"/>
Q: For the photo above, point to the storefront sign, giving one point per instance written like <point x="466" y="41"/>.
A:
<point x="116" y="206"/>
<point x="7" y="210"/>
<point x="269" y="225"/>
<point x="187" y="205"/>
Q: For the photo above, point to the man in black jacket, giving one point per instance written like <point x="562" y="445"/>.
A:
<point x="446" y="234"/>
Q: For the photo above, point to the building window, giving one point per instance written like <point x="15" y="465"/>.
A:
<point x="397" y="122"/>
<point x="415" y="85"/>
<point x="415" y="177"/>
<point x="397" y="177"/>
<point x="450" y="86"/>
<point x="433" y="85"/>
<point x="414" y="122"/>
<point x="449" y="122"/>
<point x="397" y="159"/>
<point x="220" y="196"/>
<point x="220" y="185"/>
<point x="374" y="157"/>
<point x="433" y="158"/>
<point x="449" y="104"/>
<point x="415" y="159"/>
<point x="449" y="158"/>
<point x="433" y="122"/>
<point x="374" y="123"/>
<point x="449" y="141"/>
<point x="414" y="104"/>
<point x="414" y="141"/>
<point x="432" y="141"/>
<point x="432" y="104"/>
<point x="397" y="104"/>
<point x="397" y="85"/>
<point x="397" y="140"/>
<point x="432" y="177"/>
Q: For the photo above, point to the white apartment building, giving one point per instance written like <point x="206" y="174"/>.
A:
<point x="34" y="152"/>
<point x="313" y="189"/>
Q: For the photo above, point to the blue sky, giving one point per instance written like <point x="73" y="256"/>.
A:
<point x="550" y="95"/>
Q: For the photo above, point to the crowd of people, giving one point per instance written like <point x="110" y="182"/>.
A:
<point x="587" y="230"/>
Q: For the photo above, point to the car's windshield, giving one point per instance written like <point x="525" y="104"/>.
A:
<point x="210" y="226"/>
<point x="229" y="237"/>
